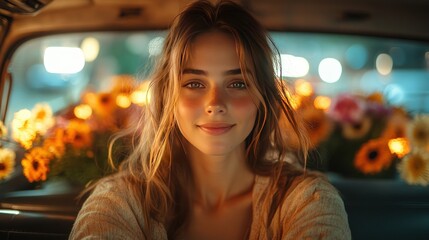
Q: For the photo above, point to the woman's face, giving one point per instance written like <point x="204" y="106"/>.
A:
<point x="215" y="111"/>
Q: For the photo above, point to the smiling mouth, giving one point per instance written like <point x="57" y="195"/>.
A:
<point x="216" y="129"/>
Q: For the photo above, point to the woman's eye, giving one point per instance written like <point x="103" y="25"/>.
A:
<point x="194" y="85"/>
<point x="240" y="85"/>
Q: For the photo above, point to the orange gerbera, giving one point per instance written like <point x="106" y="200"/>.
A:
<point x="78" y="134"/>
<point x="36" y="164"/>
<point x="414" y="168"/>
<point x="7" y="162"/>
<point x="373" y="157"/>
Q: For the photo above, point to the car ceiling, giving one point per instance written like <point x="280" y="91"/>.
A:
<point x="399" y="18"/>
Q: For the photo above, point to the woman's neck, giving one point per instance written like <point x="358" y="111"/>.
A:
<point x="220" y="180"/>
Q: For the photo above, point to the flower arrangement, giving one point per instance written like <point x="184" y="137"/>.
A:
<point x="74" y="142"/>
<point x="362" y="136"/>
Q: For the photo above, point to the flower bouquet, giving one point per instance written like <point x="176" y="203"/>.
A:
<point x="362" y="136"/>
<point x="73" y="143"/>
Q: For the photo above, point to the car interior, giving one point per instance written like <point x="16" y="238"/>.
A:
<point x="91" y="59"/>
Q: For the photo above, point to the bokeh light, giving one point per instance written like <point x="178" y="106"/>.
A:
<point x="330" y="70"/>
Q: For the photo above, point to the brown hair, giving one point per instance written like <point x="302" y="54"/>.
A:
<point x="159" y="172"/>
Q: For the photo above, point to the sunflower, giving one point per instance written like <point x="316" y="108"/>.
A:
<point x="317" y="125"/>
<point x="373" y="157"/>
<point x="3" y="129"/>
<point x="42" y="117"/>
<point x="78" y="134"/>
<point x="356" y="130"/>
<point x="414" y="168"/>
<point x="23" y="128"/>
<point x="36" y="164"/>
<point x="418" y="132"/>
<point x="7" y="162"/>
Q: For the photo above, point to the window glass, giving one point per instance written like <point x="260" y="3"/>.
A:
<point x="70" y="92"/>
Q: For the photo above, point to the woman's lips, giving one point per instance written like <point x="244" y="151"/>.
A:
<point x="216" y="128"/>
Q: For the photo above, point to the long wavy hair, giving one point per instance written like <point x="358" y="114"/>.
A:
<point x="158" y="170"/>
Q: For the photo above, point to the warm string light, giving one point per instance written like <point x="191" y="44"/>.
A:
<point x="399" y="146"/>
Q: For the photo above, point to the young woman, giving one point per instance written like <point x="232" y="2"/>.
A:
<point x="208" y="159"/>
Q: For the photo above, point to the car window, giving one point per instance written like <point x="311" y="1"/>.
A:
<point x="71" y="92"/>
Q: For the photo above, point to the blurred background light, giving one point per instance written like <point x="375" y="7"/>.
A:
<point x="384" y="64"/>
<point x="303" y="87"/>
<point x="82" y="111"/>
<point x="330" y="70"/>
<point x="322" y="102"/>
<point x="356" y="56"/>
<point x="90" y="47"/>
<point x="394" y="94"/>
<point x="293" y="66"/>
<point x="137" y="43"/>
<point x="123" y="101"/>
<point x="65" y="60"/>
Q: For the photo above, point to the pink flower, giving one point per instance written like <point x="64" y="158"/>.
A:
<point x="347" y="108"/>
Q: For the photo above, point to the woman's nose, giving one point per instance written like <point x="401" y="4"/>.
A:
<point x="216" y="102"/>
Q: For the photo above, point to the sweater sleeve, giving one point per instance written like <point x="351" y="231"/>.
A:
<point x="315" y="211"/>
<point x="108" y="213"/>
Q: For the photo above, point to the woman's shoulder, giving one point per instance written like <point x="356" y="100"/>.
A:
<point x="117" y="183"/>
<point x="302" y="180"/>
<point x="296" y="189"/>
<point x="307" y="206"/>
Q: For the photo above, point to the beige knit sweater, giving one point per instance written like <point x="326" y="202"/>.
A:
<point x="312" y="210"/>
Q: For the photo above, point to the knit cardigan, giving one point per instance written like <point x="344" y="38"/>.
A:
<point x="312" y="209"/>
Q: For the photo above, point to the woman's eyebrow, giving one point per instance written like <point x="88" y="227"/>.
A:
<point x="194" y="71"/>
<point x="202" y="72"/>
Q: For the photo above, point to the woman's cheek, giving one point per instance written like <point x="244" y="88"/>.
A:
<point x="245" y="105"/>
<point x="188" y="105"/>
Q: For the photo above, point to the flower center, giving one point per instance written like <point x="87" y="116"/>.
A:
<point x="357" y="126"/>
<point x="35" y="165"/>
<point x="419" y="134"/>
<point x="372" y="155"/>
<point x="2" y="166"/>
